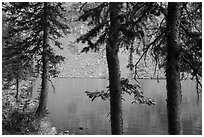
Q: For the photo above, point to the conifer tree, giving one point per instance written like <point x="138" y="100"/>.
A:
<point x="104" y="17"/>
<point x="174" y="93"/>
<point x="114" y="25"/>
<point x="40" y="24"/>
<point x="16" y="66"/>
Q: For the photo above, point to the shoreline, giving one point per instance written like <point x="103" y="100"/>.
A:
<point x="153" y="78"/>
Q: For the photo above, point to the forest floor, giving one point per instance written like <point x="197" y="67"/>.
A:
<point x="18" y="116"/>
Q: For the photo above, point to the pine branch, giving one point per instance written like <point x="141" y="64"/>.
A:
<point x="126" y="88"/>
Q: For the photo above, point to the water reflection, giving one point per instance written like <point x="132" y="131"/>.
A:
<point x="72" y="110"/>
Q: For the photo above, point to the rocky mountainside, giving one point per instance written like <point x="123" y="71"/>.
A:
<point x="94" y="65"/>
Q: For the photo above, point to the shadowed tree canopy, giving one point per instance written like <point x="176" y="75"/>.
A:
<point x="190" y="40"/>
<point x="114" y="25"/>
<point x="40" y="25"/>
<point x="132" y="18"/>
<point x="16" y="65"/>
<point x="27" y="19"/>
<point x="168" y="33"/>
<point x="147" y="23"/>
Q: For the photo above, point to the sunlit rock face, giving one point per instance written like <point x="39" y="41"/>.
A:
<point x="94" y="64"/>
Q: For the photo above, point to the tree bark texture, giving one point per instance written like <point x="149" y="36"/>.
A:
<point x="131" y="56"/>
<point x="17" y="87"/>
<point x="17" y="82"/>
<point x="174" y="93"/>
<point x="114" y="73"/>
<point x="44" y="90"/>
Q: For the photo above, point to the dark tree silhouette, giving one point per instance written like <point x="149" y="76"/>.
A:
<point x="40" y="24"/>
<point x="174" y="93"/>
<point x="114" y="71"/>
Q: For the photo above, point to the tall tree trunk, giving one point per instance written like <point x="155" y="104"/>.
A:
<point x="174" y="93"/>
<point x="17" y="83"/>
<point x="17" y="86"/>
<point x="44" y="91"/>
<point x="114" y="73"/>
<point x="130" y="64"/>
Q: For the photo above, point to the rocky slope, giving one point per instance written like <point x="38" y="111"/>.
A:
<point x="94" y="65"/>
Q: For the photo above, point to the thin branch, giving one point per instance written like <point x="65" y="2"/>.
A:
<point x="82" y="6"/>
<point x="52" y="85"/>
<point x="192" y="66"/>
<point x="152" y="43"/>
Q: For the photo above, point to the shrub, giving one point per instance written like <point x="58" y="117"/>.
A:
<point x="19" y="123"/>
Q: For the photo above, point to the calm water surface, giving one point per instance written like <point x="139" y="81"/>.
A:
<point x="72" y="110"/>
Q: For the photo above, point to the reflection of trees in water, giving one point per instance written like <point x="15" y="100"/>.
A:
<point x="193" y="121"/>
<point x="138" y="119"/>
<point x="153" y="120"/>
<point x="94" y="118"/>
<point x="149" y="119"/>
<point x="161" y="114"/>
<point x="72" y="107"/>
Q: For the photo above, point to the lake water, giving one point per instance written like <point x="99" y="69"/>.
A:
<point x="70" y="109"/>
